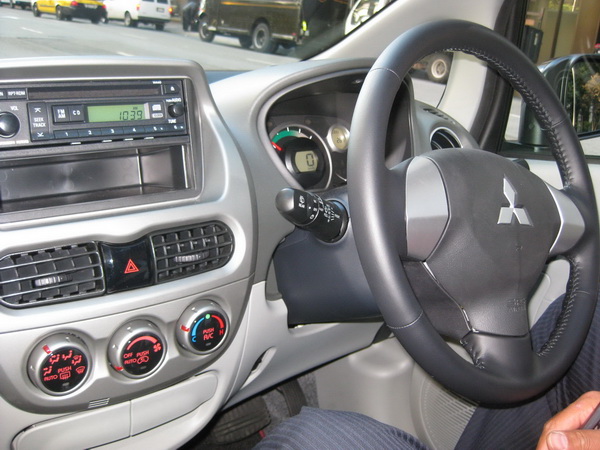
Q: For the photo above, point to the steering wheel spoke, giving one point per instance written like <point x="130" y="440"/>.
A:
<point x="572" y="225"/>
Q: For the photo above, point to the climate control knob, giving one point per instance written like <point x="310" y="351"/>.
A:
<point x="137" y="349"/>
<point x="59" y="364"/>
<point x="202" y="328"/>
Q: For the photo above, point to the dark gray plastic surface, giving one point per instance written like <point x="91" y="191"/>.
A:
<point x="323" y="282"/>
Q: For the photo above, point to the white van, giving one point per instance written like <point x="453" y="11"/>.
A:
<point x="132" y="12"/>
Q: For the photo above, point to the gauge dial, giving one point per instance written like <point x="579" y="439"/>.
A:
<point x="304" y="154"/>
<point x="338" y="137"/>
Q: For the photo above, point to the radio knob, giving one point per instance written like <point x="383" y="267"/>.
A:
<point x="9" y="124"/>
<point x="176" y="109"/>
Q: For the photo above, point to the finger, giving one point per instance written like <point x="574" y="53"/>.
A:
<point x="576" y="414"/>
<point x="571" y="418"/>
<point x="573" y="440"/>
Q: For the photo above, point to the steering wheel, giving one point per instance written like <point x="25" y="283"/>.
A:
<point x="453" y="242"/>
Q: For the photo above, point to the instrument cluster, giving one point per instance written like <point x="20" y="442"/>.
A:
<point x="312" y="148"/>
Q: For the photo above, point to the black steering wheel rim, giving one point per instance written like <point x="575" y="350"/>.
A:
<point x="370" y="181"/>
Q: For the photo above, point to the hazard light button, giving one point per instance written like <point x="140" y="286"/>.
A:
<point x="126" y="266"/>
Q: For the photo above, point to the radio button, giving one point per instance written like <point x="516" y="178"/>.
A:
<point x="171" y="88"/>
<point x="66" y="134"/>
<point x="38" y="117"/>
<point x="60" y="114"/>
<point x="134" y="130"/>
<point x="76" y="113"/>
<point x="89" y="132"/>
<point x="112" y="131"/>
<point x="16" y="94"/>
<point x="41" y="136"/>
<point x="155" y="129"/>
<point x="3" y="94"/>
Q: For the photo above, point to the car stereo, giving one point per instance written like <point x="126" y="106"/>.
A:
<point x="73" y="112"/>
<point x="90" y="144"/>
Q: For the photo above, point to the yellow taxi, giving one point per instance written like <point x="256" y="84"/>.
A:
<point x="67" y="9"/>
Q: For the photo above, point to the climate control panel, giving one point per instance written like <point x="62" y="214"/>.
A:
<point x="62" y="362"/>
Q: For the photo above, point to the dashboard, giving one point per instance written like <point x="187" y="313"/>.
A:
<point x="147" y="279"/>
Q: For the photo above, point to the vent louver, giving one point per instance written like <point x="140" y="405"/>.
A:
<point x="51" y="275"/>
<point x="444" y="138"/>
<point x="190" y="251"/>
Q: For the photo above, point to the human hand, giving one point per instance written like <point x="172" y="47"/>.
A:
<point x="563" y="431"/>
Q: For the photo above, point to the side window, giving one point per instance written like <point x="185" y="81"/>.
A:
<point x="561" y="37"/>
<point x="582" y="94"/>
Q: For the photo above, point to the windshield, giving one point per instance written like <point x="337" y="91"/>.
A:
<point x="218" y="34"/>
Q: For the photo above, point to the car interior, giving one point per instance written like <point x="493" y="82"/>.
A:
<point x="188" y="256"/>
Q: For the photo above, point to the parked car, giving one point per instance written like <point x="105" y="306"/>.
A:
<point x="261" y="24"/>
<point x="132" y="12"/>
<point x="24" y="4"/>
<point x="198" y="241"/>
<point x="264" y="25"/>
<point x="93" y="10"/>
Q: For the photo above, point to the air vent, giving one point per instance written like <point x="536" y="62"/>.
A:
<point x="444" y="138"/>
<point x="51" y="275"/>
<point x="190" y="251"/>
<point x="438" y="113"/>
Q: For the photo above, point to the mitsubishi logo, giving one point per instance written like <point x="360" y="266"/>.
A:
<point x="507" y="212"/>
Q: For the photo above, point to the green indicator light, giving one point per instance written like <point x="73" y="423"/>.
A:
<point x="207" y="316"/>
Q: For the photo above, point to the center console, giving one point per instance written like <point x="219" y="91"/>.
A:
<point x="125" y="258"/>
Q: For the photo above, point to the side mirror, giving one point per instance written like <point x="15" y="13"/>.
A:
<point x="576" y="81"/>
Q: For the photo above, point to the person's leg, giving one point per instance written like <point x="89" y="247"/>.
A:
<point x="318" y="429"/>
<point x="499" y="428"/>
<point x="521" y="426"/>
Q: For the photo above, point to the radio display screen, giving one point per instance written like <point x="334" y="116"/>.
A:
<point x="117" y="113"/>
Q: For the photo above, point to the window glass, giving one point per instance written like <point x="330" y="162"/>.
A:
<point x="553" y="31"/>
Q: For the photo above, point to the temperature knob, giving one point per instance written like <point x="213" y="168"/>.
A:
<point x="59" y="364"/>
<point x="137" y="349"/>
<point x="202" y="327"/>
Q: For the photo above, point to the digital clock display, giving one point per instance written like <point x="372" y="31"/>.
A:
<point x="117" y="113"/>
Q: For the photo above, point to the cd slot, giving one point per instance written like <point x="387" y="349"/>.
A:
<point x="80" y="178"/>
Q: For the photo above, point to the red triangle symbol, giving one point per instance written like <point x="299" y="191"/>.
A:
<point x="131" y="267"/>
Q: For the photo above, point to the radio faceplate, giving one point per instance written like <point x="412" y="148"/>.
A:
<point x="76" y="112"/>
<point x="88" y="145"/>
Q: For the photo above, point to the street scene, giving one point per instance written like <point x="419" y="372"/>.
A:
<point x="23" y="35"/>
